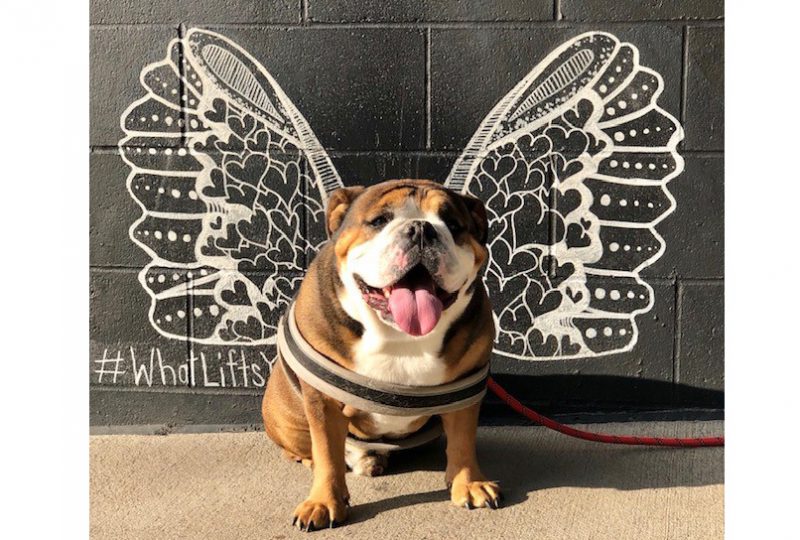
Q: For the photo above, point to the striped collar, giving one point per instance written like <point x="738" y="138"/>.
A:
<point x="368" y="394"/>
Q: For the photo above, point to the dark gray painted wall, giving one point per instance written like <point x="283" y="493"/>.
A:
<point x="395" y="89"/>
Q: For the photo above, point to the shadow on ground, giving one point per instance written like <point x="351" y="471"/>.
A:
<point x="524" y="464"/>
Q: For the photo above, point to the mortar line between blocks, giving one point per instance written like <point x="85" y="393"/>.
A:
<point x="684" y="72"/>
<point x="190" y="329"/>
<point x="428" y="89"/>
<point x="193" y="390"/>
<point x="182" y="91"/>
<point x="552" y="269"/>
<point x="454" y="152"/>
<point x="676" y="335"/>
<point x="421" y="25"/>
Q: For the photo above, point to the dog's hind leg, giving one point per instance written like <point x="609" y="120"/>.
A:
<point x="365" y="462"/>
<point x="297" y="459"/>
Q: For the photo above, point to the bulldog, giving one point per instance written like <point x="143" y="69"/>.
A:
<point x="394" y="295"/>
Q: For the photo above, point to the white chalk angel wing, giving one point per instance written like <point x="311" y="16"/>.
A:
<point x="572" y="165"/>
<point x="232" y="183"/>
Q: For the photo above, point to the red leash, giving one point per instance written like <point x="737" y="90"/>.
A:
<point x="530" y="414"/>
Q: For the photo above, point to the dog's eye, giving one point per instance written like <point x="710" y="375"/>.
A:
<point x="379" y="221"/>
<point x="454" y="226"/>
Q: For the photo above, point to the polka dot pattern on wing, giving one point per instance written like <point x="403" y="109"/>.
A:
<point x="599" y="293"/>
<point x="623" y="59"/>
<point x="643" y="86"/>
<point x="641" y="165"/>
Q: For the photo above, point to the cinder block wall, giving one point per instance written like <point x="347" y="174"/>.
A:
<point x="395" y="89"/>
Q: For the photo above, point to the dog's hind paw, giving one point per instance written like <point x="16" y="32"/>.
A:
<point x="366" y="462"/>
<point x="297" y="459"/>
<point x="371" y="464"/>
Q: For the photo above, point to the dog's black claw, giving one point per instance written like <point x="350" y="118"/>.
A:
<point x="294" y="521"/>
<point x="468" y="505"/>
<point x="310" y="527"/>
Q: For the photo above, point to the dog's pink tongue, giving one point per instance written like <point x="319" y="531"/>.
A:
<point x="416" y="309"/>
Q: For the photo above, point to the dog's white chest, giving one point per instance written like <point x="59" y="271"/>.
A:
<point x="413" y="363"/>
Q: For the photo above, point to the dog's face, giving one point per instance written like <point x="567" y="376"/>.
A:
<point x="407" y="252"/>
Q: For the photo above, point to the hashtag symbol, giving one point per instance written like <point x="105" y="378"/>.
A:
<point x="106" y="361"/>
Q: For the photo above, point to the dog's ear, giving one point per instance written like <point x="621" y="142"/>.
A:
<point x="477" y="211"/>
<point x="338" y="203"/>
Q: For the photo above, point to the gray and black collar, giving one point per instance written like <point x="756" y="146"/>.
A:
<point x="371" y="395"/>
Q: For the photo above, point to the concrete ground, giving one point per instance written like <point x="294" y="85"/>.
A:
<point x="236" y="485"/>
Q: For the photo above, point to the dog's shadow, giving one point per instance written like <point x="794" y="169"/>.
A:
<point x="365" y="511"/>
<point x="524" y="464"/>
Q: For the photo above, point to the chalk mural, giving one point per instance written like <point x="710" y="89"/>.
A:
<point x="225" y="367"/>
<point x="572" y="164"/>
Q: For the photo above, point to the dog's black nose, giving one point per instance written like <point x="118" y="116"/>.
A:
<point x="419" y="232"/>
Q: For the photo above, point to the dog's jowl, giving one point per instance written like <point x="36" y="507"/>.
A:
<point x="391" y="327"/>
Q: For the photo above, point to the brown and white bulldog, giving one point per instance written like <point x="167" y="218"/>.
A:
<point x="394" y="295"/>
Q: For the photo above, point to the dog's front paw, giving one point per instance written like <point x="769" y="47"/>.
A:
<point x="476" y="494"/>
<point x="320" y="512"/>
